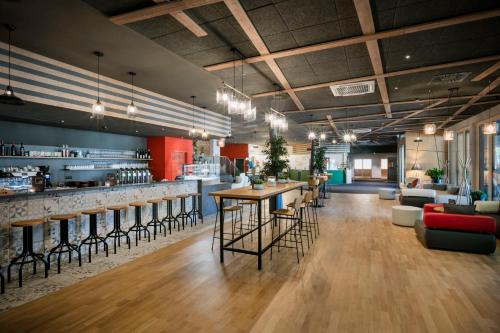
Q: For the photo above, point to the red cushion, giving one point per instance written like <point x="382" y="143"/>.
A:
<point x="471" y="223"/>
<point x="429" y="208"/>
<point x="414" y="183"/>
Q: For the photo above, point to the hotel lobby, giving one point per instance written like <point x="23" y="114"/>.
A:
<point x="250" y="166"/>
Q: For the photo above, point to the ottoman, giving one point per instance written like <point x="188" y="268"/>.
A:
<point x="406" y="215"/>
<point x="387" y="193"/>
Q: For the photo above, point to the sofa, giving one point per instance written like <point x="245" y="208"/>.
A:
<point x="491" y="209"/>
<point x="430" y="193"/>
<point x="457" y="232"/>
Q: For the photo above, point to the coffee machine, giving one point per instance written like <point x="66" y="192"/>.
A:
<point x="44" y="169"/>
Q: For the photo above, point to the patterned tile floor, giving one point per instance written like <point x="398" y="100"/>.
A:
<point x="36" y="286"/>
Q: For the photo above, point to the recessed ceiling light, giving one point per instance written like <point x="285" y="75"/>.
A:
<point x="62" y="121"/>
<point x="396" y="88"/>
<point x="407" y="57"/>
<point x="136" y="131"/>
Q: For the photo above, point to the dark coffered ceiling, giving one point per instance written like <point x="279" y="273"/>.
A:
<point x="290" y="24"/>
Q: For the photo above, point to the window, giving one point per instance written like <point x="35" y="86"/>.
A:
<point x="362" y="164"/>
<point x="367" y="164"/>
<point x="484" y="161"/>
<point x="383" y="164"/>
<point x="358" y="164"/>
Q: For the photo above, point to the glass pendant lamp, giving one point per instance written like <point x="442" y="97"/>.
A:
<point x="98" y="107"/>
<point x="8" y="96"/>
<point x="131" y="108"/>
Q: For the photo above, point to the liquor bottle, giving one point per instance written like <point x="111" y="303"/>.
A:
<point x="149" y="154"/>
<point x="21" y="150"/>
<point x="13" y="150"/>
<point x="2" y="148"/>
<point x="137" y="153"/>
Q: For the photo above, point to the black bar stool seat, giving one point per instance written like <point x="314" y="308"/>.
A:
<point x="64" y="245"/>
<point x="94" y="238"/>
<point x="28" y="255"/>
<point x="155" y="221"/>
<point x="170" y="218"/>
<point x="138" y="226"/>
<point x="117" y="233"/>
<point x="195" y="210"/>
<point x="183" y="215"/>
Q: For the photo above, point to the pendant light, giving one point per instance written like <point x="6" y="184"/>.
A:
<point x="204" y="134"/>
<point x="490" y="128"/>
<point x="8" y="96"/>
<point x="322" y="136"/>
<point x="448" y="135"/>
<point x="430" y="129"/>
<point x="311" y="135"/>
<point x="98" y="108"/>
<point x="334" y="141"/>
<point x="131" y="108"/>
<point x="416" y="166"/>
<point x="192" y="131"/>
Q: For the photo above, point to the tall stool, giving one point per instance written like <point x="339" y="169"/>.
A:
<point x="314" y="208"/>
<point x="117" y="233"/>
<point x="234" y="210"/>
<point x="252" y="216"/>
<point x="291" y="215"/>
<point x="183" y="215"/>
<point x="138" y="226"/>
<point x="304" y="218"/>
<point x="195" y="210"/>
<point x="155" y="221"/>
<point x="170" y="218"/>
<point x="94" y="238"/>
<point x="27" y="252"/>
<point x="64" y="245"/>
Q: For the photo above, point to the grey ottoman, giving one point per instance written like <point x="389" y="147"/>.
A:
<point x="387" y="193"/>
<point x="406" y="215"/>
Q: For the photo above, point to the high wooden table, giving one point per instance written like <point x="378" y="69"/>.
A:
<point x="246" y="193"/>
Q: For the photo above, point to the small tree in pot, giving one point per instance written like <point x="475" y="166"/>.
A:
<point x="276" y="156"/>
<point x="436" y="174"/>
<point x="319" y="164"/>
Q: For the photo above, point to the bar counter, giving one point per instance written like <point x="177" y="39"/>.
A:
<point x="21" y="206"/>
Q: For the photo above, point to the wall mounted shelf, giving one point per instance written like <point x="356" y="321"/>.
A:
<point x="76" y="158"/>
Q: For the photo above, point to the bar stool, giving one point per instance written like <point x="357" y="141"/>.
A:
<point x="155" y="220"/>
<point x="195" y="210"/>
<point x="94" y="238"/>
<point x="314" y="208"/>
<point x="138" y="226"/>
<point x="64" y="241"/>
<point x="183" y="215"/>
<point x="170" y="218"/>
<point x="252" y="216"/>
<point x="305" y="219"/>
<point x="117" y="232"/>
<point x="27" y="252"/>
<point x="234" y="210"/>
<point x="291" y="215"/>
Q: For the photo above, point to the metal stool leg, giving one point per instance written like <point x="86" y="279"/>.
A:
<point x="60" y="248"/>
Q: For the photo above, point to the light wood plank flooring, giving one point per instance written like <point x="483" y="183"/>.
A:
<point x="362" y="275"/>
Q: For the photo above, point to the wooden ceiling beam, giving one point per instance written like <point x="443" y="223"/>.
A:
<point x="246" y="24"/>
<point x="471" y="102"/>
<point x="487" y="72"/>
<point x="189" y="23"/>
<point x="164" y="8"/>
<point x="365" y="18"/>
<point x="364" y="38"/>
<point x="390" y="74"/>
<point x="332" y="125"/>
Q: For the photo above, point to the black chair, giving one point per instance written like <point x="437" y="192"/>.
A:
<point x="138" y="227"/>
<point x="195" y="209"/>
<point x="94" y="238"/>
<point x="27" y="256"/>
<point x="117" y="233"/>
<point x="155" y="221"/>
<point x="184" y="216"/>
<point x="170" y="218"/>
<point x="64" y="245"/>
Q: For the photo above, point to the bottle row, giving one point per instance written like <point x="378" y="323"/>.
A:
<point x="5" y="150"/>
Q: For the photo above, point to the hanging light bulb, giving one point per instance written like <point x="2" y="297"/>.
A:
<point x="334" y="141"/>
<point x="311" y="135"/>
<point x="354" y="138"/>
<point x="346" y="137"/>
<point x="448" y="135"/>
<point x="192" y="131"/>
<point x="204" y="134"/>
<point x="490" y="128"/>
<point x="8" y="96"/>
<point x="322" y="136"/>
<point x="131" y="108"/>
<point x="430" y="129"/>
<point x="98" y="107"/>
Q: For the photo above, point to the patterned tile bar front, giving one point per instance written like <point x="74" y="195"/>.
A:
<point x="30" y="206"/>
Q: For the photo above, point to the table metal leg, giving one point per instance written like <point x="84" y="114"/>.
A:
<point x="221" y="229"/>
<point x="259" y="235"/>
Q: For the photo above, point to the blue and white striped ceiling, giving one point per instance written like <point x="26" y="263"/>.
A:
<point x="42" y="80"/>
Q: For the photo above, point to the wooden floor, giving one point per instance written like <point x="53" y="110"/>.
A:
<point x="362" y="275"/>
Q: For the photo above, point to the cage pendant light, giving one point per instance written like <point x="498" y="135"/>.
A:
<point x="490" y="128"/>
<point x="8" y="96"/>
<point x="131" y="108"/>
<point x="192" y="131"/>
<point x="98" y="107"/>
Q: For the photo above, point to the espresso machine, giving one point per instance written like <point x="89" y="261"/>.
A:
<point x="44" y="170"/>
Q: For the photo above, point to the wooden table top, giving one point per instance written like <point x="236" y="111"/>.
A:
<point x="268" y="191"/>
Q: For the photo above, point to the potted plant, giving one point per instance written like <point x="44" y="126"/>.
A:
<point x="258" y="184"/>
<point x="478" y="196"/>
<point x="319" y="164"/>
<point x="282" y="179"/>
<point x="276" y="156"/>
<point x="436" y="174"/>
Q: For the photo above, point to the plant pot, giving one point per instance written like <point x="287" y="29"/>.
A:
<point x="258" y="186"/>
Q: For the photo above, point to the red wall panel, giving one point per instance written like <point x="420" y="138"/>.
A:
<point x="234" y="151"/>
<point x="168" y="154"/>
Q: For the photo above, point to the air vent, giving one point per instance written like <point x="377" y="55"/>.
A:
<point x="353" y="89"/>
<point x="450" y="78"/>
<point x="362" y="130"/>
